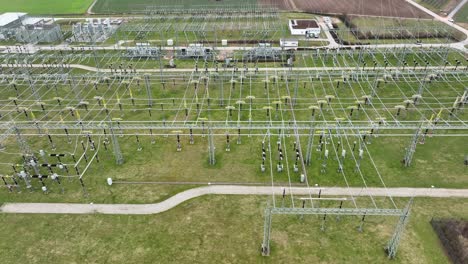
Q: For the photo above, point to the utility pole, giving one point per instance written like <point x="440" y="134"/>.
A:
<point x="310" y="144"/>
<point x="211" y="148"/>
<point x="148" y="90"/>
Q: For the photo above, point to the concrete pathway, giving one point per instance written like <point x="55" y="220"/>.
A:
<point x="138" y="209"/>
<point x="90" y="8"/>
<point x="331" y="41"/>
<point x="457" y="8"/>
<point x="269" y="69"/>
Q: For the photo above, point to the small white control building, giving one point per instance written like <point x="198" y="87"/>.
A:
<point x="288" y="44"/>
<point x="304" y="27"/>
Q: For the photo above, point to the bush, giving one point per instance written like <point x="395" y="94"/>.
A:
<point x="453" y="235"/>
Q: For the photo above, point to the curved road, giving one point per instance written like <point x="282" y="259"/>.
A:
<point x="140" y="70"/>
<point x="139" y="209"/>
<point x="90" y="8"/>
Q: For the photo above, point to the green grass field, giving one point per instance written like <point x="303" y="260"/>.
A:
<point x="462" y="14"/>
<point x="38" y="7"/>
<point x="125" y="6"/>
<point x="220" y="229"/>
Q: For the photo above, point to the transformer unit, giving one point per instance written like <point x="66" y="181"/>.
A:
<point x="93" y="30"/>
<point x="264" y="52"/>
<point x="195" y="51"/>
<point x="143" y="50"/>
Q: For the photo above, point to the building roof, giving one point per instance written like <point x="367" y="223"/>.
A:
<point x="7" y="18"/>
<point x="32" y="20"/>
<point x="303" y="23"/>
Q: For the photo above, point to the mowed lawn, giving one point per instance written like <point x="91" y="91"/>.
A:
<point x="39" y="7"/>
<point x="221" y="229"/>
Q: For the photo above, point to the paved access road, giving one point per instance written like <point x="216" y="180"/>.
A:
<point x="139" y="209"/>
<point x="269" y="69"/>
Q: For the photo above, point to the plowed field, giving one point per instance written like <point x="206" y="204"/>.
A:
<point x="389" y="8"/>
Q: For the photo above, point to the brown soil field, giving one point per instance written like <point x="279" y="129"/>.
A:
<point x="388" y="8"/>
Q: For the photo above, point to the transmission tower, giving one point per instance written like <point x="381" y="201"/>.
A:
<point x="74" y="87"/>
<point x="115" y="144"/>
<point x="310" y="143"/>
<point x="412" y="148"/>
<point x="392" y="245"/>
<point x="23" y="145"/>
<point x="148" y="91"/>
<point x="211" y="148"/>
<point x="266" y="233"/>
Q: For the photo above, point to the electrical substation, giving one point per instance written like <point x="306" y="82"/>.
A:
<point x="214" y="86"/>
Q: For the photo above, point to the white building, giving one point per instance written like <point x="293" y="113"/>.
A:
<point x="36" y="30"/>
<point x="287" y="44"/>
<point x="11" y="19"/>
<point x="8" y="24"/>
<point x="304" y="27"/>
<point x="23" y="28"/>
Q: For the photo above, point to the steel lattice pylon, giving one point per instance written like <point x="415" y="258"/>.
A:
<point x="392" y="245"/>
<point x="23" y="145"/>
<point x="115" y="144"/>
<point x="211" y="148"/>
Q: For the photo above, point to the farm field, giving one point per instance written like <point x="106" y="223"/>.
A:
<point x="387" y="8"/>
<point x="215" y="229"/>
<point x="392" y="8"/>
<point x="441" y="7"/>
<point x="39" y="7"/>
<point x="396" y="30"/>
